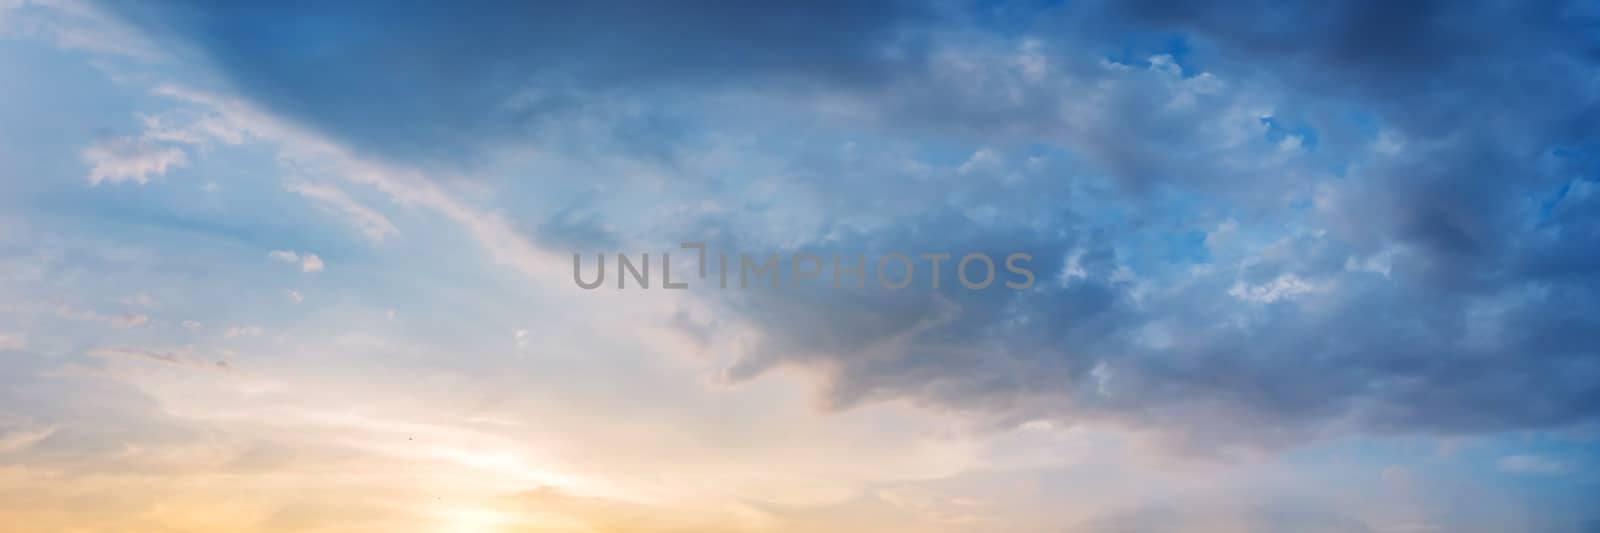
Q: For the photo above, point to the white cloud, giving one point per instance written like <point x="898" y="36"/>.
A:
<point x="199" y="131"/>
<point x="295" y="296"/>
<point x="1397" y="474"/>
<point x="498" y="235"/>
<point x="1284" y="286"/>
<point x="133" y="159"/>
<point x="183" y="357"/>
<point x="75" y="25"/>
<point x="129" y="320"/>
<point x="1102" y="374"/>
<point x="1531" y="464"/>
<point x="1389" y="142"/>
<point x="982" y="161"/>
<point x="12" y="341"/>
<point x="1226" y="231"/>
<point x="372" y="224"/>
<point x="192" y="325"/>
<point x="15" y="441"/>
<point x="75" y="314"/>
<point x="242" y="331"/>
<point x="139" y="300"/>
<point x="1031" y="60"/>
<point x="124" y="320"/>
<point x="309" y="262"/>
<point x="1379" y="263"/>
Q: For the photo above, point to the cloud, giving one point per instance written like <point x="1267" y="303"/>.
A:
<point x="128" y="320"/>
<point x="494" y="62"/>
<point x="1275" y="513"/>
<point x="122" y="159"/>
<point x="1531" y="464"/>
<point x="372" y="224"/>
<point x="1224" y="257"/>
<point x="308" y="262"/>
<point x="1285" y="286"/>
<point x="299" y="149"/>
<point x="603" y="514"/>
<point x="574" y="228"/>
<point x="242" y="331"/>
<point x="131" y="353"/>
<point x="75" y="26"/>
<point x="294" y="296"/>
<point x="1317" y="146"/>
<point x="11" y="341"/>
<point x="120" y="320"/>
<point x="181" y="358"/>
<point x="139" y="300"/>
<point x="1473" y="293"/>
<point x="21" y="439"/>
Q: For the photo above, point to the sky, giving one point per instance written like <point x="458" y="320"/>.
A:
<point x="301" y="266"/>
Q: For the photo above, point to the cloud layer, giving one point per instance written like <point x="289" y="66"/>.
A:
<point x="1300" y="266"/>
<point x="1417" y="222"/>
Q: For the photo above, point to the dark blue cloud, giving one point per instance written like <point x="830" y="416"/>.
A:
<point x="1415" y="182"/>
<point x="1480" y="320"/>
<point x="422" y="80"/>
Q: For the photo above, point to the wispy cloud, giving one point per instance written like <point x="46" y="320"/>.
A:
<point x="1531" y="464"/>
<point x="242" y="331"/>
<point x="308" y="262"/>
<point x="182" y="358"/>
<point x="117" y="320"/>
<point x="12" y="341"/>
<point x="372" y="224"/>
<point x="123" y="159"/>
